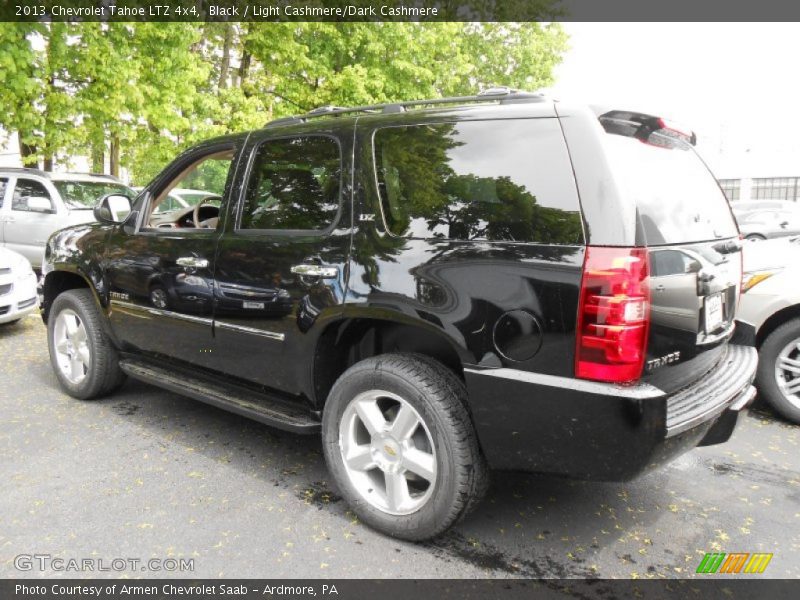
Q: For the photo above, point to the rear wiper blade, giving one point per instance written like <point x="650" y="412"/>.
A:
<point x="728" y="246"/>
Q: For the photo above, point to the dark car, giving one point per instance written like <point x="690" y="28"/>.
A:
<point x="437" y="287"/>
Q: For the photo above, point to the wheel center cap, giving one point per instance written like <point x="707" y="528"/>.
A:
<point x="391" y="450"/>
<point x="386" y="452"/>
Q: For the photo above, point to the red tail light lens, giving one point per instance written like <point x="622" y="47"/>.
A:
<point x="613" y="315"/>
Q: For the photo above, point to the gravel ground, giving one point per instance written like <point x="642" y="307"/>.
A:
<point x="149" y="474"/>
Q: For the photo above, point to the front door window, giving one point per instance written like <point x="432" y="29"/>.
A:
<point x="192" y="198"/>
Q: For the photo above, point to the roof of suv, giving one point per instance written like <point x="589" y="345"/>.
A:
<point x="494" y="96"/>
<point x="58" y="176"/>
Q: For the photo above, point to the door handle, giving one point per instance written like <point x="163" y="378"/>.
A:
<point x="315" y="271"/>
<point x="192" y="261"/>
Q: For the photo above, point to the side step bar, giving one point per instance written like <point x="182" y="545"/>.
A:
<point x="254" y="405"/>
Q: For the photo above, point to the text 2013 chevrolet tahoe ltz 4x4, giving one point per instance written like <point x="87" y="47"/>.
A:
<point x="438" y="287"/>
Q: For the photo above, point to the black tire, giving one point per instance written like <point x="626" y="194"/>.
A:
<point x="103" y="374"/>
<point x="439" y="398"/>
<point x="765" y="377"/>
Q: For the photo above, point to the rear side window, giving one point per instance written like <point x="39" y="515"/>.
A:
<point x="502" y="180"/>
<point x="677" y="197"/>
<point x="294" y="185"/>
<point x="3" y="186"/>
<point x="27" y="188"/>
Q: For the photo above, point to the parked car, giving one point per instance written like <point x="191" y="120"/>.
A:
<point x="34" y="204"/>
<point x="742" y="207"/>
<point x="771" y="302"/>
<point x="437" y="287"/>
<point x="760" y="225"/>
<point x="18" y="295"/>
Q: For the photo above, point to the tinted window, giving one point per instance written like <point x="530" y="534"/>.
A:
<point x="24" y="189"/>
<point x="3" y="186"/>
<point x="677" y="197"/>
<point x="294" y="185"/>
<point x="504" y="180"/>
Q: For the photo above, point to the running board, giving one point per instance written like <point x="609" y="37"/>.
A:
<point x="254" y="405"/>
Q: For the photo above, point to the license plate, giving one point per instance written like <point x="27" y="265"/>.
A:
<point x="713" y="310"/>
<point x="253" y="305"/>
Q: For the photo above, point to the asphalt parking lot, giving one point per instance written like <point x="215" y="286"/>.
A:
<point x="148" y="474"/>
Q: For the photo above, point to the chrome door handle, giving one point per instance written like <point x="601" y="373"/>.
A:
<point x="192" y="261"/>
<point x="315" y="271"/>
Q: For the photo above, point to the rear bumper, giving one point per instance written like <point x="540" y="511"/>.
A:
<point x="727" y="386"/>
<point x="540" y="423"/>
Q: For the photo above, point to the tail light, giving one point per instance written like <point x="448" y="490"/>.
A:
<point x="613" y="315"/>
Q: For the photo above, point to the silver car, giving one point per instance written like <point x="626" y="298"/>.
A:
<point x="34" y="204"/>
<point x="771" y="303"/>
<point x="766" y="224"/>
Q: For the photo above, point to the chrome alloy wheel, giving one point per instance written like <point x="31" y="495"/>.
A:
<point x="787" y="372"/>
<point x="158" y="297"/>
<point x="71" y="345"/>
<point x="388" y="452"/>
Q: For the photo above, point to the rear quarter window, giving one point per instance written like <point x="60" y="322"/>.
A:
<point x="502" y="180"/>
<point x="678" y="200"/>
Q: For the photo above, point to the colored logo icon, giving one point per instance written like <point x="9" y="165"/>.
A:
<point x="733" y="563"/>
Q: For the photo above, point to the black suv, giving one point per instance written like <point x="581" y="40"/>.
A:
<point x="438" y="287"/>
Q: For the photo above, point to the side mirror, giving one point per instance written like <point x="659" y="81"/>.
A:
<point x="784" y="224"/>
<point x="694" y="266"/>
<point x="40" y="204"/>
<point x="112" y="208"/>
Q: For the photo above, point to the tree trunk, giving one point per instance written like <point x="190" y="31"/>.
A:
<point x="244" y="67"/>
<point x="113" y="160"/>
<point x="226" y="57"/>
<point x="49" y="126"/>
<point x="27" y="153"/>
<point x="98" y="158"/>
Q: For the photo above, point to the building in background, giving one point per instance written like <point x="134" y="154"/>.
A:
<point x="10" y="157"/>
<point x="751" y="176"/>
<point x="761" y="188"/>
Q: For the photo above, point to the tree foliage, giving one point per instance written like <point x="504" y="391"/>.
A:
<point x="134" y="94"/>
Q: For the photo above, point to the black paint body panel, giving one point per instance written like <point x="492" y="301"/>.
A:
<point x="463" y="292"/>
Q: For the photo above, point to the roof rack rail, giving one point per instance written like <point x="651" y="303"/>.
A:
<point x="28" y="170"/>
<point x="103" y="175"/>
<point x="503" y="95"/>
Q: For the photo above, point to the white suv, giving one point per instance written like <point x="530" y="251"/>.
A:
<point x="34" y="204"/>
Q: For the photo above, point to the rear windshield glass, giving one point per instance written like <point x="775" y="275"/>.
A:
<point x="677" y="197"/>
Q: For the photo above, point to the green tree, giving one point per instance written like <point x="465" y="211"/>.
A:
<point x="138" y="93"/>
<point x="36" y="89"/>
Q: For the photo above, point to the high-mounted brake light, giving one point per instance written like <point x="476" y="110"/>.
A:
<point x="642" y="127"/>
<point x="613" y="315"/>
<point x="672" y="129"/>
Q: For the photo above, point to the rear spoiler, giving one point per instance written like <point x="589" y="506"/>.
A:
<point x="641" y="126"/>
